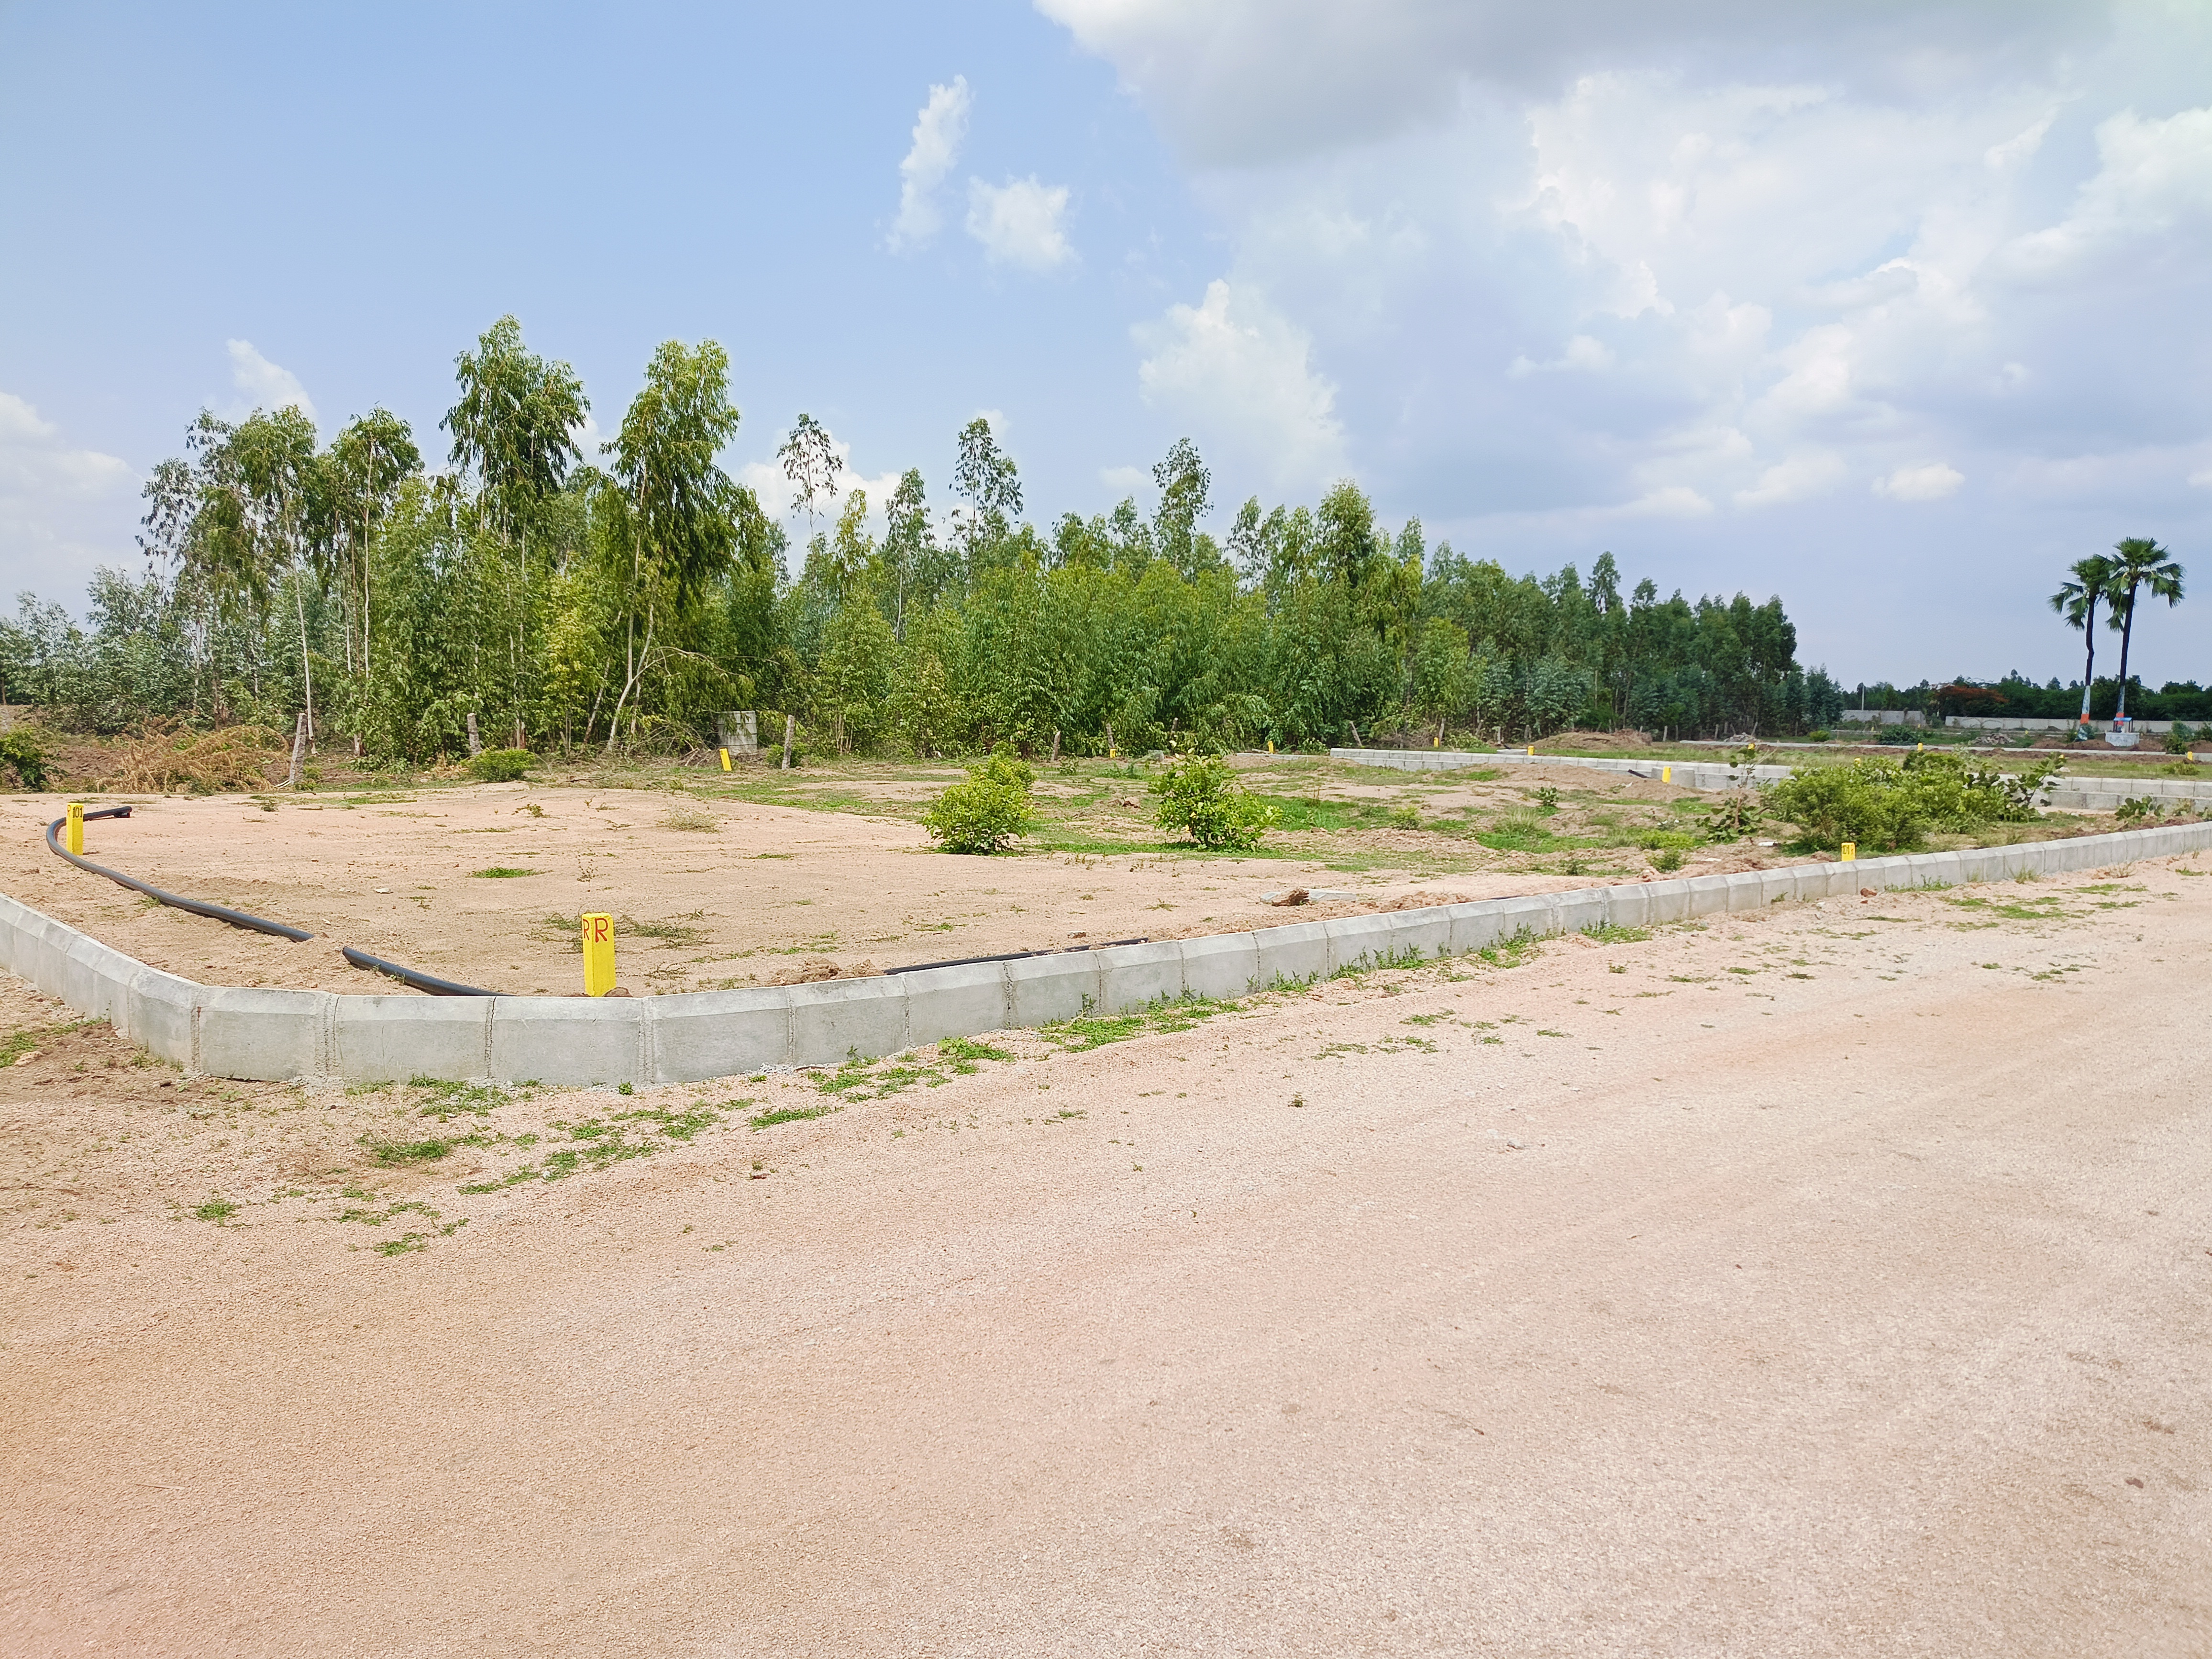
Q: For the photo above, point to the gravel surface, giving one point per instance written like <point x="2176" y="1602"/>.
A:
<point x="1832" y="1281"/>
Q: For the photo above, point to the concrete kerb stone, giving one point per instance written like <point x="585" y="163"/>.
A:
<point x="1581" y="911"/>
<point x="1370" y="941"/>
<point x="1221" y="965"/>
<point x="1475" y="926"/>
<point x="1296" y="953"/>
<point x="1044" y="990"/>
<point x="835" y="1020"/>
<point x="958" y="1001"/>
<point x="258" y="1032"/>
<point x="1132" y="976"/>
<point x="390" y="1039"/>
<point x="159" y="1010"/>
<point x="712" y="1034"/>
<point x="571" y="1041"/>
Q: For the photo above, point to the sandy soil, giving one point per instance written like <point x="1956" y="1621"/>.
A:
<point x="751" y="895"/>
<point x="1832" y="1281"/>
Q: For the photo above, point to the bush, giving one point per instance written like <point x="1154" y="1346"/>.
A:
<point x="1666" y="858"/>
<point x="1887" y="803"/>
<point x="1894" y="735"/>
<point x="21" y="753"/>
<point x="500" y="765"/>
<point x="1817" y="735"/>
<point x="1736" y="816"/>
<point x="2181" y="739"/>
<point x="1200" y="795"/>
<point x="985" y="814"/>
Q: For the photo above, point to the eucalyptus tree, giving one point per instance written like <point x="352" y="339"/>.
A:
<point x="912" y="564"/>
<point x="985" y="476"/>
<point x="678" y="512"/>
<point x="1185" y="488"/>
<point x="367" y="463"/>
<point x="515" y="432"/>
<point x="810" y="460"/>
<point x="2143" y="567"/>
<point x="2089" y="582"/>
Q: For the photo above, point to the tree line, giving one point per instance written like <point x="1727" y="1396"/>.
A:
<point x="615" y="600"/>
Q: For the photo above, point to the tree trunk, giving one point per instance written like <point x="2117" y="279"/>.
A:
<point x="475" y="746"/>
<point x="790" y="730"/>
<point x="519" y="742"/>
<point x="1055" y="745"/>
<point x="2127" y="634"/>
<point x="299" y="749"/>
<point x="2089" y="668"/>
<point x="307" y="672"/>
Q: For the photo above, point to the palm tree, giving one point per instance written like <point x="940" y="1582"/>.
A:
<point x="2143" y="563"/>
<point x="2076" y="601"/>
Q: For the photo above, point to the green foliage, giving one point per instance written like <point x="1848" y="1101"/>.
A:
<point x="1737" y="815"/>
<point x="2136" y="808"/>
<point x="500" y="765"/>
<point x="21" y="753"/>
<point x="1887" y="803"/>
<point x="1666" y="858"/>
<point x="2180" y="740"/>
<point x="989" y="813"/>
<point x="1199" y="796"/>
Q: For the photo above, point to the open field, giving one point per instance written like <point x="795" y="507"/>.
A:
<point x="1833" y="1281"/>
<point x="762" y="876"/>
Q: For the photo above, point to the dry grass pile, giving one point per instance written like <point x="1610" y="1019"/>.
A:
<point x="166" y="760"/>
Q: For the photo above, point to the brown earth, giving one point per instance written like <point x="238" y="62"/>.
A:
<point x="750" y="893"/>
<point x="1832" y="1281"/>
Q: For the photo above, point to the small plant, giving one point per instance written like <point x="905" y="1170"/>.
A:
<point x="501" y="873"/>
<point x="500" y="765"/>
<point x="1818" y="734"/>
<point x="1547" y="800"/>
<point x="1405" y="818"/>
<point x="2178" y="741"/>
<point x="989" y="813"/>
<point x="1666" y="858"/>
<point x="1738" y="814"/>
<point x="217" y="1209"/>
<point x="21" y="753"/>
<point x="691" y="817"/>
<point x="1200" y="795"/>
<point x="2136" y="809"/>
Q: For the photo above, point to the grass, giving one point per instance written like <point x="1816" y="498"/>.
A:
<point x="501" y="873"/>
<point x="774" y="1115"/>
<point x="217" y="1209"/>
<point x="398" y="1154"/>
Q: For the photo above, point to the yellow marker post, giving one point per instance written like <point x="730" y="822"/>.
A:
<point x="726" y="760"/>
<point x="1851" y="851"/>
<point x="598" y="955"/>
<point x="1531" y="751"/>
<point x="1271" y="748"/>
<point x="1666" y="775"/>
<point x="73" y="832"/>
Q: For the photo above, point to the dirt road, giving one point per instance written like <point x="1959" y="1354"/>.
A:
<point x="1837" y="1281"/>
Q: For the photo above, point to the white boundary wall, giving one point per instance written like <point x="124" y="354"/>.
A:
<point x="2079" y="794"/>
<point x="282" y="1036"/>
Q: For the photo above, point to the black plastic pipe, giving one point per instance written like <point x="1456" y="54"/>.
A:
<point x="1014" y="956"/>
<point x="416" y="977"/>
<point x="197" y="907"/>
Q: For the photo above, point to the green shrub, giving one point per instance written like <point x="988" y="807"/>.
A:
<point x="2134" y="808"/>
<point x="1894" y="735"/>
<point x="2181" y="739"/>
<point x="1200" y="795"/>
<point x="500" y="765"/>
<point x="1736" y="816"/>
<point x="24" y="754"/>
<point x="1817" y="735"/>
<point x="986" y="814"/>
<point x="1667" y="858"/>
<point x="1887" y="803"/>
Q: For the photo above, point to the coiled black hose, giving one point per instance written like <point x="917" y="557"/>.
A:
<point x="414" y="976"/>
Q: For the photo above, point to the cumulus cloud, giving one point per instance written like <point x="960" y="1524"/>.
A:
<point x="939" y="129"/>
<point x="56" y="500"/>
<point x="1019" y="223"/>
<point x="2152" y="176"/>
<point x="1584" y="354"/>
<point x="1931" y="482"/>
<point x="1240" y="374"/>
<point x="1128" y="480"/>
<point x="1794" y="480"/>
<point x="264" y="385"/>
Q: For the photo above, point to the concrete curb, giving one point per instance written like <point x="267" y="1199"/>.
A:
<point x="285" y="1036"/>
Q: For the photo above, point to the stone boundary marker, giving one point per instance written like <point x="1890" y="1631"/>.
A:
<point x="282" y="1036"/>
<point x="2084" y="795"/>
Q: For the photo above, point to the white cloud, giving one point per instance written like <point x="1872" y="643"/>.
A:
<point x="1128" y="480"/>
<point x="1584" y="354"/>
<point x="766" y="479"/>
<point x="1018" y="223"/>
<point x="1241" y="373"/>
<point x="938" y="131"/>
<point x="1671" y="501"/>
<point x="59" y="504"/>
<point x="1931" y="482"/>
<point x="2151" y="175"/>
<point x="264" y="385"/>
<point x="1794" y="479"/>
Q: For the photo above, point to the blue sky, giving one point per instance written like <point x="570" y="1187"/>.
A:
<point x="1891" y="309"/>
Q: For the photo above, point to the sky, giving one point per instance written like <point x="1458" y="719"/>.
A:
<point x="1892" y="308"/>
